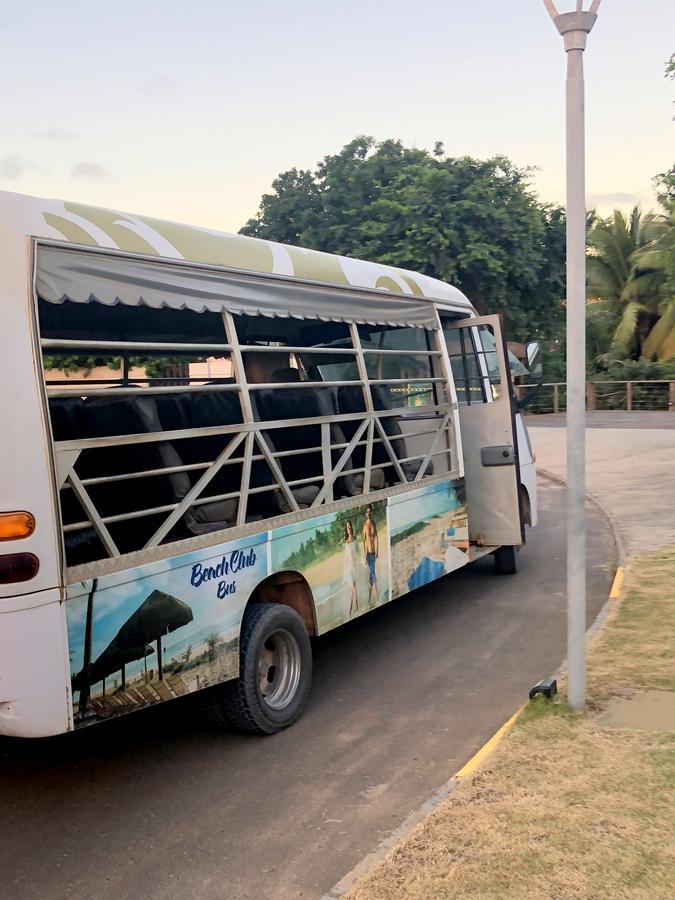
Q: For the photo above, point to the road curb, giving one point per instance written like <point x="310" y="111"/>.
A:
<point x="414" y="818"/>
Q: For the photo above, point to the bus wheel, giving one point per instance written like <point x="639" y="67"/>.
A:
<point x="275" y="670"/>
<point x="505" y="561"/>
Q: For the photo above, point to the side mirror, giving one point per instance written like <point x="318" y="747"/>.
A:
<point x="533" y="357"/>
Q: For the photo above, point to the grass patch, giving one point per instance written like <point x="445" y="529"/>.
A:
<point x="565" y="808"/>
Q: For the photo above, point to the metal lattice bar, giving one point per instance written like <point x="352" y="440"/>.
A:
<point x="257" y="436"/>
<point x="194" y="492"/>
<point x="149" y="437"/>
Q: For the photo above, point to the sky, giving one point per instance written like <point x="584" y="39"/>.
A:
<point x="188" y="110"/>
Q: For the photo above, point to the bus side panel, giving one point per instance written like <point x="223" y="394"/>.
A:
<point x="528" y="472"/>
<point x="172" y="627"/>
<point x="429" y="534"/>
<point x="398" y="545"/>
<point x="161" y="630"/>
<point x="344" y="557"/>
<point x="34" y="689"/>
<point x="25" y="465"/>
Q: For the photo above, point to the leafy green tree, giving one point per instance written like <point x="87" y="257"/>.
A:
<point x="665" y="181"/>
<point x="212" y="642"/>
<point x="473" y="223"/>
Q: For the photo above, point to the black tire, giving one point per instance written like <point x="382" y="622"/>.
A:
<point x="269" y="632"/>
<point x="506" y="562"/>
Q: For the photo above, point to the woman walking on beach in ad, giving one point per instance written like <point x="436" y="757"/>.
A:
<point x="350" y="557"/>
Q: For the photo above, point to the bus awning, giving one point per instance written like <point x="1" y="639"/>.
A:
<point x="109" y="279"/>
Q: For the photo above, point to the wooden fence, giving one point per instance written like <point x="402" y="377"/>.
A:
<point x="551" y="397"/>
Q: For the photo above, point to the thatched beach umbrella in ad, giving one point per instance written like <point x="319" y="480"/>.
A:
<point x="113" y="659"/>
<point x="158" y="615"/>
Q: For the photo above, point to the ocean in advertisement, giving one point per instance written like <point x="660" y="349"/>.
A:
<point x="429" y="535"/>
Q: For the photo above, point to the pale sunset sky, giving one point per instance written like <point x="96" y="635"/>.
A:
<point x="188" y="110"/>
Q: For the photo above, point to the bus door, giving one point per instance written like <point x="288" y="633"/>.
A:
<point x="487" y="421"/>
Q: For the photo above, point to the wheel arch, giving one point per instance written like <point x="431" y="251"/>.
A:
<point x="525" y="504"/>
<point x="291" y="589"/>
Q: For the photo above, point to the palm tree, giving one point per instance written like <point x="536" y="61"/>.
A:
<point x="626" y="287"/>
<point x="212" y="642"/>
<point x="659" y="256"/>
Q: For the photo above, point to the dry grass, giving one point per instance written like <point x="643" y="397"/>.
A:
<point x="565" y="808"/>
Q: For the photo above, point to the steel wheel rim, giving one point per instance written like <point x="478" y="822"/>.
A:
<point x="279" y="666"/>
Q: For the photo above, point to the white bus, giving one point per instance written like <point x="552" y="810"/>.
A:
<point x="215" y="448"/>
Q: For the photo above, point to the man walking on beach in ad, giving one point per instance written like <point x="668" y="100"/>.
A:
<point x="371" y="549"/>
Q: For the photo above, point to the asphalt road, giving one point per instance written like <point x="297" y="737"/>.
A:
<point x="158" y="806"/>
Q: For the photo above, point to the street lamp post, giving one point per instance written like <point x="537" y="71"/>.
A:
<point x="574" y="28"/>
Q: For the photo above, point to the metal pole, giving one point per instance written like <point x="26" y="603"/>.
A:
<point x="574" y="28"/>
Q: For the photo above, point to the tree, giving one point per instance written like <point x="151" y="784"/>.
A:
<point x="620" y="280"/>
<point x="212" y="642"/>
<point x="473" y="223"/>
<point x="665" y="181"/>
<point x="658" y="256"/>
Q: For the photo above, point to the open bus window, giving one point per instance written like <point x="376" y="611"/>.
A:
<point x="400" y="360"/>
<point x="467" y="373"/>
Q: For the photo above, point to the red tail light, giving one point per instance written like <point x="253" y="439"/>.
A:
<point x="16" y="567"/>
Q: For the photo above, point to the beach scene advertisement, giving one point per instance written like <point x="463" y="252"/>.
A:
<point x="345" y="558"/>
<point x="171" y="630"/>
<point x="429" y="535"/>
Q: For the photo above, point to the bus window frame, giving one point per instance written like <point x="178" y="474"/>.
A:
<point x="250" y="432"/>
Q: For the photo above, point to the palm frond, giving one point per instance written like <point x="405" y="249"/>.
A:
<point x="644" y="287"/>
<point x="659" y="333"/>
<point x="624" y="334"/>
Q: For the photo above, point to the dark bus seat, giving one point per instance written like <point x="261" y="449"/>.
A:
<point x="111" y="416"/>
<point x="84" y="544"/>
<point x="206" y="409"/>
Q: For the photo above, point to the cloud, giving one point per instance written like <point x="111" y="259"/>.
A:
<point x="88" y="171"/>
<point x="56" y="134"/>
<point x="612" y="197"/>
<point x="14" y="166"/>
<point x="160" y="87"/>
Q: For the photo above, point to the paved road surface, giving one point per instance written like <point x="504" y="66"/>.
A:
<point x="158" y="806"/>
<point x="630" y="470"/>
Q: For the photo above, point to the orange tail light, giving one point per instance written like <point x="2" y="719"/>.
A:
<point x="15" y="525"/>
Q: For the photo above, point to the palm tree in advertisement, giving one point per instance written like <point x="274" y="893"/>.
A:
<point x="85" y="674"/>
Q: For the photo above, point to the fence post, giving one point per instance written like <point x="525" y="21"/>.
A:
<point x="556" y="404"/>
<point x="629" y="395"/>
<point x="590" y="395"/>
<point x="671" y="395"/>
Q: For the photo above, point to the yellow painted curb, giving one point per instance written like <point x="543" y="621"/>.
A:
<point x="499" y="735"/>
<point x="616" y="584"/>
<point x="489" y="746"/>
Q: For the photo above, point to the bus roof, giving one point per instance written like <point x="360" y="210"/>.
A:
<point x="90" y="226"/>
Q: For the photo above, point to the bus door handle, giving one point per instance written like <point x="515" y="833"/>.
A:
<point x="502" y="455"/>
